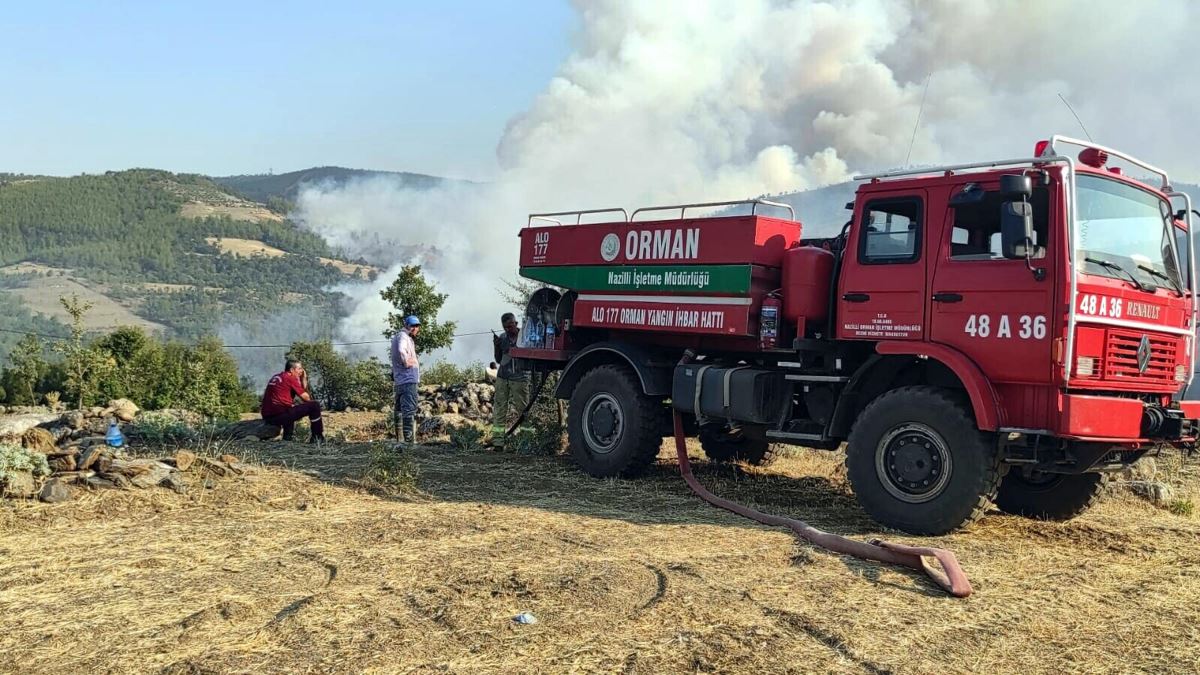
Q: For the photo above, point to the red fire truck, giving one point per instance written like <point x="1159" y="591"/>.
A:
<point x="1006" y="331"/>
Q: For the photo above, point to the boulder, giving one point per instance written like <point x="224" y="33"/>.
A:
<point x="213" y="467"/>
<point x="184" y="460"/>
<point x="253" y="429"/>
<point x="38" y="440"/>
<point x="73" y="419"/>
<point x="230" y="459"/>
<point x="54" y="491"/>
<point x="13" y="426"/>
<point x="1145" y="469"/>
<point x="1154" y="492"/>
<point x="175" y="483"/>
<point x="89" y="457"/>
<point x="123" y="409"/>
<point x="20" y="484"/>
<point x="62" y="463"/>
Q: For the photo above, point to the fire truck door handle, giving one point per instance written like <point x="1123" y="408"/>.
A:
<point x="856" y="297"/>
<point x="947" y="297"/>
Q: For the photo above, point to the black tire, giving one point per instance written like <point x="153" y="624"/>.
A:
<point x="722" y="445"/>
<point x="945" y="472"/>
<point x="1049" y="496"/>
<point x="613" y="428"/>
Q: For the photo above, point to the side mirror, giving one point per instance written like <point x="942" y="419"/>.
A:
<point x="1016" y="230"/>
<point x="1016" y="187"/>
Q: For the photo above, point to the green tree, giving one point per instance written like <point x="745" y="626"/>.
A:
<point x="411" y="294"/>
<point x="86" y="365"/>
<point x="25" y="371"/>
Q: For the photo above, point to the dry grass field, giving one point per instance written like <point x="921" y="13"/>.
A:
<point x="248" y="248"/>
<point x="301" y="566"/>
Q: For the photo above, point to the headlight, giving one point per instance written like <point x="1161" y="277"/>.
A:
<point x="1085" y="366"/>
<point x="1180" y="373"/>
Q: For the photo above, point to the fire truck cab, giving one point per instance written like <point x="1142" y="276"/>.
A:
<point x="1005" y="331"/>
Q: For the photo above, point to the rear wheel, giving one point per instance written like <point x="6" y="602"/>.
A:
<point x="722" y="443"/>
<point x="1049" y="496"/>
<point x="614" y="429"/>
<point x="917" y="462"/>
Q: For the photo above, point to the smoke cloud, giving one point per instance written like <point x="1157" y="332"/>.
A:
<point x="676" y="101"/>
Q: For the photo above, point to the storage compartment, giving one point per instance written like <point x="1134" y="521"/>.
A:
<point x="807" y="273"/>
<point x="738" y="394"/>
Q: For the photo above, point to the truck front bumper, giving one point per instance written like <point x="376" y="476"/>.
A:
<point x="1123" y="420"/>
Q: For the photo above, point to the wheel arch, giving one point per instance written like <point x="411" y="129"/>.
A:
<point x="653" y="375"/>
<point x="897" y="364"/>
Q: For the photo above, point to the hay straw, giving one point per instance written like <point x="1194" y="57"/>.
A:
<point x="283" y="572"/>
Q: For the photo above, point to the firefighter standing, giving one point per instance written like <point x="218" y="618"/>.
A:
<point x="406" y="375"/>
<point x="512" y="383"/>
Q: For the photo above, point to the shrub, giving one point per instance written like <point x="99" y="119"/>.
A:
<point x="155" y="427"/>
<point x="337" y="383"/>
<point x="444" y="372"/>
<point x="1182" y="507"/>
<point x="15" y="459"/>
<point x="542" y="431"/>
<point x="389" y="468"/>
<point x="466" y="437"/>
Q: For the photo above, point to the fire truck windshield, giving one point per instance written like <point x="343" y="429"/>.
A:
<point x="1125" y="233"/>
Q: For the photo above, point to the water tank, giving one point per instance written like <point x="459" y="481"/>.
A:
<point x="807" y="273"/>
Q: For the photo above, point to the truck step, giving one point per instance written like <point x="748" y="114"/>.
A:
<point x="792" y="436"/>
<point x="817" y="378"/>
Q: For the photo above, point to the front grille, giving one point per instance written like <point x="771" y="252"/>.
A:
<point x="1121" y="358"/>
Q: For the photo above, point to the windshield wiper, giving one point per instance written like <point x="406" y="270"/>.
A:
<point x="1110" y="265"/>
<point x="1165" y="277"/>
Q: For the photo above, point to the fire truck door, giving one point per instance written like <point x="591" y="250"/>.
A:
<point x="881" y="292"/>
<point x="992" y="309"/>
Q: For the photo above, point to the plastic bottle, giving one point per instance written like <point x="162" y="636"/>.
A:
<point x="539" y="334"/>
<point x="549" y="335"/>
<point x="114" y="438"/>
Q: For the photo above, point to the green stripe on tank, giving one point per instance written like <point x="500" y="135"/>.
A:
<point x="677" y="278"/>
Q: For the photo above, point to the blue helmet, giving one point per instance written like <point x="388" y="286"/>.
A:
<point x="412" y="321"/>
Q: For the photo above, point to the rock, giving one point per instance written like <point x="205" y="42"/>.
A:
<point x="14" y="426"/>
<point x="60" y="432"/>
<point x="62" y="463"/>
<point x="123" y="409"/>
<point x="230" y="459"/>
<point x="1144" y="469"/>
<point x="95" y="412"/>
<point x="117" y="480"/>
<point x="184" y="460"/>
<point x="78" y="477"/>
<point x="38" y="440"/>
<point x="210" y="484"/>
<point x="1154" y="492"/>
<point x="175" y="483"/>
<point x="73" y="419"/>
<point x="20" y="484"/>
<point x="90" y="456"/>
<point x="253" y="429"/>
<point x="142" y="472"/>
<point x="99" y="483"/>
<point x="55" y="491"/>
<point x="187" y="418"/>
<point x="213" y="467"/>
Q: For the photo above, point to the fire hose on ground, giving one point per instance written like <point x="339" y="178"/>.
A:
<point x="949" y="577"/>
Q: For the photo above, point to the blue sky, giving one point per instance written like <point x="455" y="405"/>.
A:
<point x="243" y="87"/>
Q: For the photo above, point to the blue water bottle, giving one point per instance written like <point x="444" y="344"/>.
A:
<point x="549" y="335"/>
<point x="114" y="438"/>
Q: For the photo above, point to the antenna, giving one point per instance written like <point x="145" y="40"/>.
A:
<point x="917" y="125"/>
<point x="1085" y="131"/>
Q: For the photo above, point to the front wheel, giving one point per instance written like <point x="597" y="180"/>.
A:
<point x="918" y="463"/>
<point x="613" y="428"/>
<point x="1049" y="496"/>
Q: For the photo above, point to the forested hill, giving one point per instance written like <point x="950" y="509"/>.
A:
<point x="280" y="190"/>
<point x="172" y="251"/>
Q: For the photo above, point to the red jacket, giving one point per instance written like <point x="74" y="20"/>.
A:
<point x="281" y="389"/>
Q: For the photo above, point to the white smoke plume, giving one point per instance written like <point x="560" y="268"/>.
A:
<point x="673" y="101"/>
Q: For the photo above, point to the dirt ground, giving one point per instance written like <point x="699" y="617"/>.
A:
<point x="299" y="567"/>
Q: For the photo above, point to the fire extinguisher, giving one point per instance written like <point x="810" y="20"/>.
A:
<point x="768" y="322"/>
